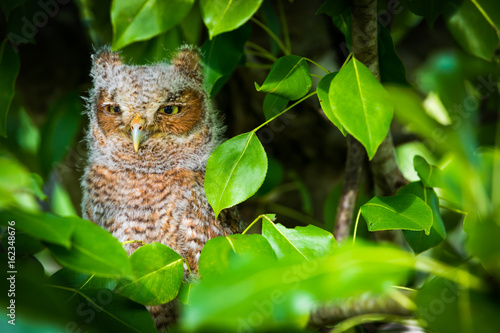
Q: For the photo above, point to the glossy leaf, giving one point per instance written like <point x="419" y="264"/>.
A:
<point x="298" y="244"/>
<point x="218" y="253"/>
<point x="158" y="272"/>
<point x="9" y="68"/>
<point x="226" y="15"/>
<point x="93" y="250"/>
<point x="392" y="68"/>
<point x="361" y="105"/>
<point x="289" y="78"/>
<point x="429" y="174"/>
<point x="44" y="226"/>
<point x="405" y="211"/>
<point x="221" y="56"/>
<point x="324" y="100"/>
<point x="418" y="240"/>
<point x="473" y="31"/>
<point x="235" y="171"/>
<point x="273" y="105"/>
<point x="138" y="20"/>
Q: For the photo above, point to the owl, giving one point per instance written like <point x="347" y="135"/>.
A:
<point x="151" y="132"/>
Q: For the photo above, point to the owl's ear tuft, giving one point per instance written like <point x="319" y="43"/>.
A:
<point x="105" y="56"/>
<point x="188" y="61"/>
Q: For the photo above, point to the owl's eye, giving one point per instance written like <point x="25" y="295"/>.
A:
<point x="113" y="108"/>
<point x="170" y="109"/>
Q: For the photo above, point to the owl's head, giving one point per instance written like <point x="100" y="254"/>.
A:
<point x="154" y="112"/>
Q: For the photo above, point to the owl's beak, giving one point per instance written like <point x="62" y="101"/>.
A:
<point x="138" y="132"/>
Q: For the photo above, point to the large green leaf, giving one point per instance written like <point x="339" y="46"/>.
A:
<point x="430" y="9"/>
<point x="218" y="252"/>
<point x="137" y="20"/>
<point x="44" y="226"/>
<point x="405" y="211"/>
<point x="418" y="240"/>
<point x="289" y="78"/>
<point x="283" y="294"/>
<point x="221" y="56"/>
<point x="68" y="278"/>
<point x="298" y="244"/>
<point x="235" y="171"/>
<point x="9" y="67"/>
<point x="17" y="186"/>
<point x="93" y="250"/>
<point x="100" y="310"/>
<point x="324" y="100"/>
<point x="472" y="30"/>
<point x="158" y="272"/>
<point x="226" y="15"/>
<point x="361" y="105"/>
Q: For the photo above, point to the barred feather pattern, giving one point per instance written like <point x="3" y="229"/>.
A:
<point x="157" y="193"/>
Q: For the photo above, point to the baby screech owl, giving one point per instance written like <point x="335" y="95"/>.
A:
<point x="151" y="133"/>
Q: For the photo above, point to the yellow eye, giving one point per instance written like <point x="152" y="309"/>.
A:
<point x="170" y="109"/>
<point x="112" y="108"/>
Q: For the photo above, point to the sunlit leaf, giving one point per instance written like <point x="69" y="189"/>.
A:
<point x="138" y="20"/>
<point x="226" y="15"/>
<point x="361" y="105"/>
<point x="289" y="78"/>
<point x="235" y="171"/>
<point x="429" y="174"/>
<point x="217" y="254"/>
<point x="93" y="250"/>
<point x="9" y="67"/>
<point x="300" y="243"/>
<point x="324" y="100"/>
<point x="158" y="272"/>
<point x="418" y="240"/>
<point x="405" y="211"/>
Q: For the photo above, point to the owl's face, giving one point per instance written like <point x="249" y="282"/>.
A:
<point x="140" y="112"/>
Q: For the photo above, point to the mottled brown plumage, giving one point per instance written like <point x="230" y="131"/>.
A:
<point x="154" y="194"/>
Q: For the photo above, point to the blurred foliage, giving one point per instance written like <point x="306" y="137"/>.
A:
<point x="446" y="105"/>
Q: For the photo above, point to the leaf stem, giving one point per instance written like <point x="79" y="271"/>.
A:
<point x="314" y="75"/>
<point x="133" y="241"/>
<point x="453" y="209"/>
<point x="356" y="227"/>
<point x="318" y="65"/>
<point x="262" y="55"/>
<point x="296" y="215"/>
<point x="284" y="26"/>
<point x="272" y="35"/>
<point x="285" y="110"/>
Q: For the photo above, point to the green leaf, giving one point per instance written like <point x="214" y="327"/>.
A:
<point x="361" y="105"/>
<point x="184" y="293"/>
<point x="430" y="175"/>
<point x="405" y="211"/>
<point x="289" y="78"/>
<point x="138" y="20"/>
<point x="482" y="240"/>
<point x="218" y="252"/>
<point x="273" y="105"/>
<point x="298" y="244"/>
<point x="100" y="310"/>
<point x="472" y="30"/>
<point x="93" y="250"/>
<point x="226" y="15"/>
<point x="43" y="226"/>
<point x="9" y="68"/>
<point x="392" y="68"/>
<point x="286" y="291"/>
<point x="222" y="54"/>
<point x="158" y="272"/>
<point x="235" y="171"/>
<point x="324" y="100"/>
<point x="274" y="177"/>
<point x="430" y="9"/>
<point x="490" y="10"/>
<point x="71" y="279"/>
<point x="418" y="240"/>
